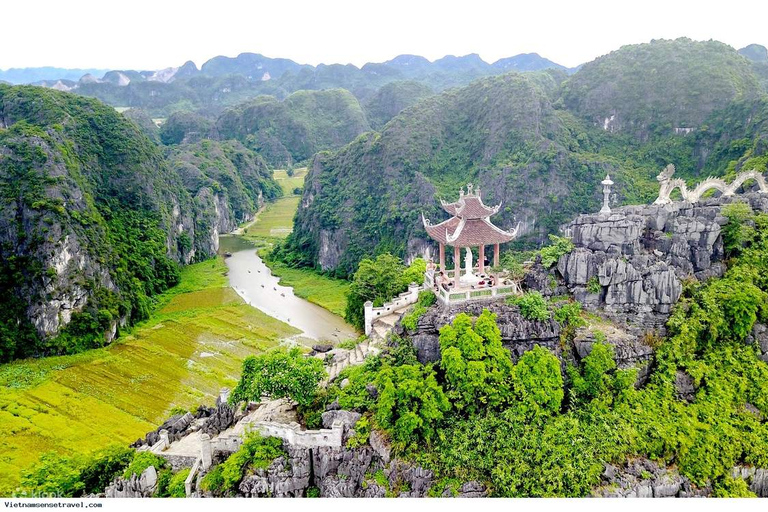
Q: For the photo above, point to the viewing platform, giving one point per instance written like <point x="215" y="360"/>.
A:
<point x="451" y="291"/>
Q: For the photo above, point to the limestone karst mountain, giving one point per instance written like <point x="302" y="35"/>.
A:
<point x="94" y="221"/>
<point x="539" y="143"/>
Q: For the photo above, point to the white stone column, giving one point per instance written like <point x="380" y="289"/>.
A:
<point x="165" y="440"/>
<point x="206" y="451"/>
<point x="606" y="194"/>
<point x="368" y="309"/>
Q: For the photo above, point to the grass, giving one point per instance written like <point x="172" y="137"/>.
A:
<point x="275" y="222"/>
<point x="191" y="348"/>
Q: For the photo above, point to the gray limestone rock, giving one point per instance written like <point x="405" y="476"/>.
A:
<point x="347" y="418"/>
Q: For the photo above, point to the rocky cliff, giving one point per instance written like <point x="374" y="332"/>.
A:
<point x="631" y="264"/>
<point x="94" y="221"/>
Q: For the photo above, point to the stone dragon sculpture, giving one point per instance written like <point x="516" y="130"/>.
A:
<point x="667" y="185"/>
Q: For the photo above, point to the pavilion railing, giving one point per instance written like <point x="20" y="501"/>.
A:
<point x="448" y="296"/>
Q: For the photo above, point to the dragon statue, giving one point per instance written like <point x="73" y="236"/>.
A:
<point x="668" y="184"/>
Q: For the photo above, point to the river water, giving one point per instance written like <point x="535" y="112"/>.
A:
<point x="254" y="282"/>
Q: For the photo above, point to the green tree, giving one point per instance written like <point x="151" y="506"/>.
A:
<point x="538" y="383"/>
<point x="53" y="475"/>
<point x="377" y="281"/>
<point x="410" y="405"/>
<point x="279" y="373"/>
<point x="477" y="368"/>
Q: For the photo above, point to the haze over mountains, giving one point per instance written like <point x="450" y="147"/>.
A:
<point x="254" y="66"/>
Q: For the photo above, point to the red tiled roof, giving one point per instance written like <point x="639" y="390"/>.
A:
<point x="470" y="224"/>
<point x="471" y="232"/>
<point x="472" y="207"/>
<point x="440" y="231"/>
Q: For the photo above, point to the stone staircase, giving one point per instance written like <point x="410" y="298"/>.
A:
<point x="384" y="324"/>
<point x="342" y="358"/>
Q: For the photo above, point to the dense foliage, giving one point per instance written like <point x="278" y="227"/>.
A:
<point x="380" y="280"/>
<point x="97" y="218"/>
<point x="531" y="429"/>
<point x="279" y="373"/>
<point x="55" y="475"/>
<point x="537" y="143"/>
<point x="292" y="130"/>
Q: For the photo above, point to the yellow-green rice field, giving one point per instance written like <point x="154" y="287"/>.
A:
<point x="191" y="348"/>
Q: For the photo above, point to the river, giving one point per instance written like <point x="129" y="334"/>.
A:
<point x="250" y="277"/>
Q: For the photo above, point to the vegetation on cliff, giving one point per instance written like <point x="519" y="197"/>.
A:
<point x="292" y="130"/>
<point x="531" y="142"/>
<point x="527" y="428"/>
<point x="95" y="221"/>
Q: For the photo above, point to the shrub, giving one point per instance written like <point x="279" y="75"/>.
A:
<point x="538" y="383"/>
<point x="101" y="468"/>
<point x="532" y="306"/>
<point x="279" y="373"/>
<point x="569" y="314"/>
<point x="410" y="404"/>
<point x="477" y="367"/>
<point x="593" y="285"/>
<point x="53" y="475"/>
<point x="551" y="254"/>
<point x="176" y="488"/>
<point x="256" y="452"/>
<point x="362" y="433"/>
<point x="141" y="461"/>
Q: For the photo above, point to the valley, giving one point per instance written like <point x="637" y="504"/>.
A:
<point x="190" y="348"/>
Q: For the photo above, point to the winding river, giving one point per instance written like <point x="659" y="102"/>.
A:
<point x="250" y="277"/>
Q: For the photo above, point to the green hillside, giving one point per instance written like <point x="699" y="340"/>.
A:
<point x="661" y="87"/>
<point x="293" y="130"/>
<point x="93" y="223"/>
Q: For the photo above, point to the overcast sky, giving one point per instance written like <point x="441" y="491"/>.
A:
<point x="153" y="34"/>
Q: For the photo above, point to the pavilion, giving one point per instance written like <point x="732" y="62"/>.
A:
<point x="469" y="226"/>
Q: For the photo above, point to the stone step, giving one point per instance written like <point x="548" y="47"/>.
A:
<point x="390" y="320"/>
<point x="381" y="331"/>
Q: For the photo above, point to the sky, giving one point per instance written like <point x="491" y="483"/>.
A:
<point x="154" y="34"/>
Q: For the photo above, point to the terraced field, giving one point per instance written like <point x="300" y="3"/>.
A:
<point x="191" y="348"/>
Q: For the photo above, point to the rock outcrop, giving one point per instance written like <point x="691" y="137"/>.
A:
<point x="138" y="486"/>
<point x="642" y="478"/>
<point x="631" y="263"/>
<point x="517" y="333"/>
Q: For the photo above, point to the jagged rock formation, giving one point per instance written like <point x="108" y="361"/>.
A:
<point x="631" y="264"/>
<point x="641" y="478"/>
<point x="137" y="486"/>
<point x="517" y="333"/>
<point x="345" y="473"/>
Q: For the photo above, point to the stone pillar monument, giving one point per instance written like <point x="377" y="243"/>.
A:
<point x="606" y="194"/>
<point x="206" y="452"/>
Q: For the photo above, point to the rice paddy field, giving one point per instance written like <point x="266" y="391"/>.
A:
<point x="275" y="222"/>
<point x="191" y="348"/>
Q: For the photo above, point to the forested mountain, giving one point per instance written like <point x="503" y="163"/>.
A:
<point x="225" y="81"/>
<point x="94" y="221"/>
<point x="293" y="130"/>
<point x="659" y="88"/>
<point x="393" y="98"/>
<point x="538" y="145"/>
